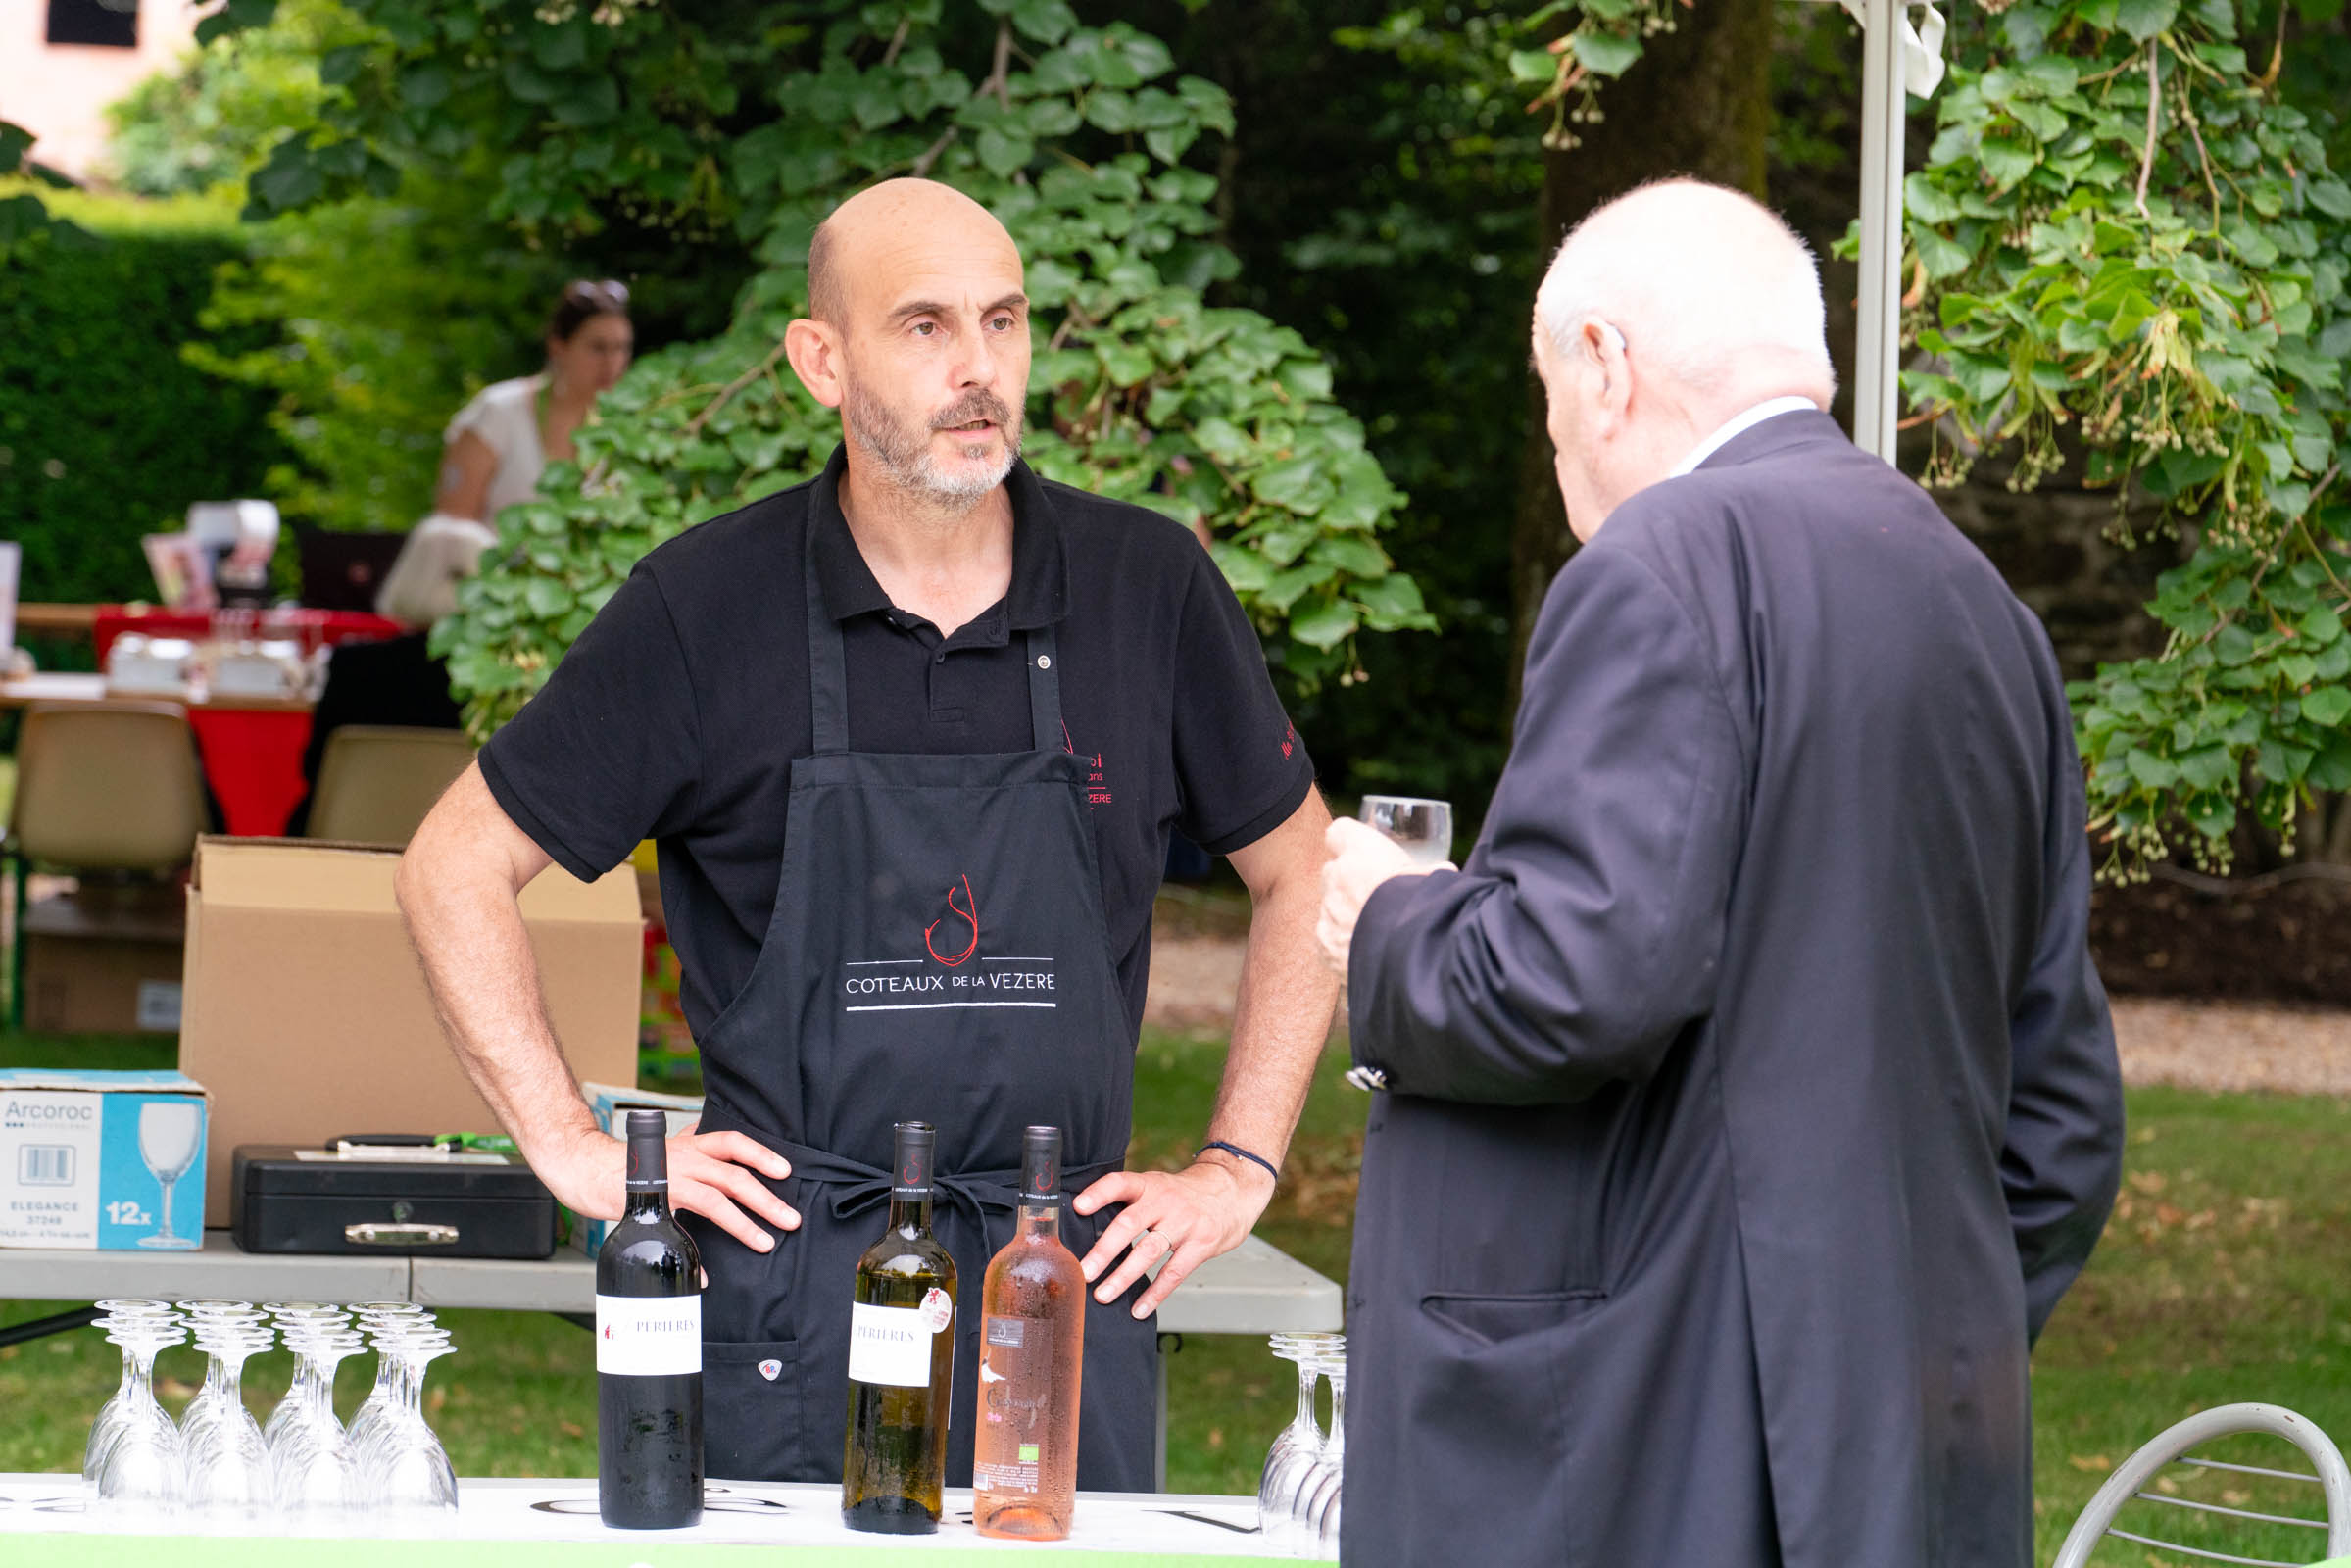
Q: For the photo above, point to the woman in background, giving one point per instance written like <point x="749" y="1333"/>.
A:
<point x="500" y="443"/>
<point x="398" y="681"/>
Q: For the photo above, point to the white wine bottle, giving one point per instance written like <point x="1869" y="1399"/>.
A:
<point x="901" y="1358"/>
<point x="1024" y="1471"/>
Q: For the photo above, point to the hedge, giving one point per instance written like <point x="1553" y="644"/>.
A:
<point x="105" y="433"/>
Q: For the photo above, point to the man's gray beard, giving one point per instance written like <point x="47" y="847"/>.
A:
<point x="906" y="456"/>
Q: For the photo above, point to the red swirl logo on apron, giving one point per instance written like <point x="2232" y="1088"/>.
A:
<point x="968" y="912"/>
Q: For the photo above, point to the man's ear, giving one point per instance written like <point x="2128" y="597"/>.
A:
<point x="1606" y="346"/>
<point x="814" y="351"/>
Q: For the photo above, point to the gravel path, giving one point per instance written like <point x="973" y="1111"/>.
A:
<point x="2195" y="1045"/>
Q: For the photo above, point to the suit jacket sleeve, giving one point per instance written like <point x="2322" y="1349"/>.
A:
<point x="2063" y="1158"/>
<point x="1586" y="928"/>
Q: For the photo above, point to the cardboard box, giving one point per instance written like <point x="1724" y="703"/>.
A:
<point x="307" y="1015"/>
<point x="105" y="960"/>
<point x="106" y="1160"/>
<point x="609" y="1103"/>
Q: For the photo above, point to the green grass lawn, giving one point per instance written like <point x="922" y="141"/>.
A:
<point x="2225" y="1276"/>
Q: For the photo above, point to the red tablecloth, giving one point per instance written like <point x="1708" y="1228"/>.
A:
<point x="253" y="761"/>
<point x="252" y="755"/>
<point x="312" y="628"/>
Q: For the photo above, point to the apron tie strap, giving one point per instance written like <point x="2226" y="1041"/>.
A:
<point x="859" y="1187"/>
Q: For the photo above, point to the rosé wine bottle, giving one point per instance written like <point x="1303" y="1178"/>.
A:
<point x="1024" y="1471"/>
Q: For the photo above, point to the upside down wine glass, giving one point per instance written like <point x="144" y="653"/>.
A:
<point x="138" y="1373"/>
<point x="1319" y="1498"/>
<point x="138" y="1466"/>
<point x="229" y="1461"/>
<point x="1290" y="1462"/>
<point x="405" y="1469"/>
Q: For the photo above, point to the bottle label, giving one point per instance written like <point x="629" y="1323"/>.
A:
<point x="648" y="1336"/>
<point x="938" y="1310"/>
<point x="1015" y="1362"/>
<point x="890" y="1346"/>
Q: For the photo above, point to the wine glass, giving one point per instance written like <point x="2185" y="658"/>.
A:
<point x="1295" y="1466"/>
<point x="316" y="1468"/>
<point x="1423" y="827"/>
<point x="404" y="1470"/>
<point x="1301" y="1434"/>
<point x="141" y="1470"/>
<point x="1321" y="1498"/>
<point x="317" y="1335"/>
<point x="384" y="1321"/>
<point x="119" y="1317"/>
<point x="171" y="1131"/>
<point x="228" y="1469"/>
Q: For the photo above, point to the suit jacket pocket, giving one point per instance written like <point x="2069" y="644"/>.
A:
<point x="1486" y="1400"/>
<point x="753" y="1428"/>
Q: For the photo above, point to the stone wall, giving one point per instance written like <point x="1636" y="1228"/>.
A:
<point x="2058" y="549"/>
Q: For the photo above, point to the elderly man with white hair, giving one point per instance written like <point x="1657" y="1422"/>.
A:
<point x="1746" y="1100"/>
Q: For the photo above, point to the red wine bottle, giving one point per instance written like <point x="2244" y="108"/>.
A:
<point x="648" y="1350"/>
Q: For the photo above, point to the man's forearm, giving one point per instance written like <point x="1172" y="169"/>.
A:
<point x="1281" y="1019"/>
<point x="469" y="933"/>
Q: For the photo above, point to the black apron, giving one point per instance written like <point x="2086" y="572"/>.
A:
<point x="937" y="953"/>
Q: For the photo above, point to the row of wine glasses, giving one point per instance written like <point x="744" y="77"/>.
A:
<point x="1298" y="1495"/>
<point x="303" y="1464"/>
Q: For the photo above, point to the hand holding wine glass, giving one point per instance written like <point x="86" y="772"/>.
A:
<point x="1397" y="836"/>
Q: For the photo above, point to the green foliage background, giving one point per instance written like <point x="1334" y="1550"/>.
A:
<point x="1074" y="135"/>
<point x="105" y="433"/>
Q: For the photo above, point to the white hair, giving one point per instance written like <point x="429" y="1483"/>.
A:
<point x="421" y="586"/>
<point x="1702" y="282"/>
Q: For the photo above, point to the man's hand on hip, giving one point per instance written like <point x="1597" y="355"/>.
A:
<point x="1185" y="1217"/>
<point x="711" y="1174"/>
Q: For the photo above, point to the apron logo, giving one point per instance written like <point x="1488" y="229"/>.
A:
<point x="771" y="1370"/>
<point x="968" y="913"/>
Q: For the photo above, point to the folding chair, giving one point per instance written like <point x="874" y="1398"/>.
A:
<point x="2131" y="1484"/>
<point x="100" y="787"/>
<point x="377" y="781"/>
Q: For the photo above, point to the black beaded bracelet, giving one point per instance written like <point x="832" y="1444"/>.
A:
<point x="1236" y="1150"/>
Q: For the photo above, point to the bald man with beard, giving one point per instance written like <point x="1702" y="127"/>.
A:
<point x="1745" y="1101"/>
<point x="911" y="737"/>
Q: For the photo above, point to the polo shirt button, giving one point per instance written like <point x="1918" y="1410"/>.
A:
<point x="1045" y="660"/>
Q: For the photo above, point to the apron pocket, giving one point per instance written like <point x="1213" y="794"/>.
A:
<point x="751" y="1402"/>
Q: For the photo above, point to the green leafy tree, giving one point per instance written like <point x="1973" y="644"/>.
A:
<point x="2128" y="249"/>
<point x="759" y="120"/>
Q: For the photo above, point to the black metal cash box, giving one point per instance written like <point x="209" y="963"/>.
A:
<point x="366" y="1197"/>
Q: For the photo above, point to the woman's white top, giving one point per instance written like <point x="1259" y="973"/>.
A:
<point x="504" y="415"/>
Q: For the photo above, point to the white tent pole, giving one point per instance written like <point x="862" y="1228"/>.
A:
<point x="1877" y="356"/>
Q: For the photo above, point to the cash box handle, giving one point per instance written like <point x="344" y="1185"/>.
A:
<point x="386" y="1233"/>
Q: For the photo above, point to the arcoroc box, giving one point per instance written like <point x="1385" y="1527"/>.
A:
<point x="306" y="1014"/>
<point x="110" y="1161"/>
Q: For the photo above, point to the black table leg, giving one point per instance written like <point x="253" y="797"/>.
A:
<point x="42" y="1327"/>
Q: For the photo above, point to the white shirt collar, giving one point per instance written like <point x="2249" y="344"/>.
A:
<point x="1737" y="424"/>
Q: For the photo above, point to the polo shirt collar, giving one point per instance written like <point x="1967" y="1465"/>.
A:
<point x="1040" y="591"/>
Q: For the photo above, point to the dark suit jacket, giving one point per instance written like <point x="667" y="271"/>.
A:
<point x="1751" y="1095"/>
<point x="390" y="682"/>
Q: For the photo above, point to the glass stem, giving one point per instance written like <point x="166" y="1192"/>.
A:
<point x="1336" y="1449"/>
<point x="1303" y="1423"/>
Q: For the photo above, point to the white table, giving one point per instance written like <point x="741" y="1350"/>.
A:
<point x="544" y="1523"/>
<point x="1254" y="1289"/>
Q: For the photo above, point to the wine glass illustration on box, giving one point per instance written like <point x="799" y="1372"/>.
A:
<point x="171" y="1131"/>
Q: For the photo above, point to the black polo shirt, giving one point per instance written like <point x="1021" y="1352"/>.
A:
<point x="678" y="713"/>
